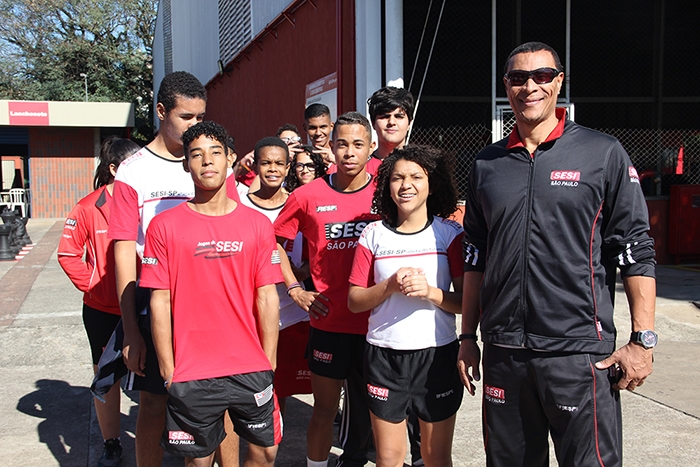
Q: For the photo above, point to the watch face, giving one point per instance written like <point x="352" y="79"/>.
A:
<point x="648" y="339"/>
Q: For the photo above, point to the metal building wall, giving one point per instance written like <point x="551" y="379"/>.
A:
<point x="265" y="87"/>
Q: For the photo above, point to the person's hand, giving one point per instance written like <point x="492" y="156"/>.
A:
<point x="326" y="154"/>
<point x="314" y="303"/>
<point x="244" y="164"/>
<point x="414" y="284"/>
<point x="167" y="375"/>
<point x="134" y="352"/>
<point x="294" y="149"/>
<point x="635" y="363"/>
<point x="469" y="357"/>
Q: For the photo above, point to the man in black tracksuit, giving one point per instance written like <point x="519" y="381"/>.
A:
<point x="552" y="212"/>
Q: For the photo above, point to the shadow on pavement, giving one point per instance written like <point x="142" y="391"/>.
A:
<point x="63" y="408"/>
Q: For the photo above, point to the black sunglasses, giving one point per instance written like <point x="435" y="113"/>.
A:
<point x="539" y="76"/>
<point x="301" y="166"/>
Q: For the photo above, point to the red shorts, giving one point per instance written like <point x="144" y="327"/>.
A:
<point x="292" y="375"/>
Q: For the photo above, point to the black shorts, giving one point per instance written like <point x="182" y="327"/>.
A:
<point x="333" y="354"/>
<point x="531" y="395"/>
<point x="194" y="425"/>
<point x="152" y="381"/>
<point x="99" y="326"/>
<point x="425" y="382"/>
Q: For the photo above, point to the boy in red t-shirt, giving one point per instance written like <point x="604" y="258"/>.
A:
<point x="212" y="265"/>
<point x="331" y="212"/>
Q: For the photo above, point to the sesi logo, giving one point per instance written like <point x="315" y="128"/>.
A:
<point x="218" y="248"/>
<point x="565" y="175"/>
<point x="340" y="230"/>
<point x="494" y="394"/>
<point x="377" y="393"/>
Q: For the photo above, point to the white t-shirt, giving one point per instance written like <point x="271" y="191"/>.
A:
<point x="290" y="313"/>
<point x="401" y="322"/>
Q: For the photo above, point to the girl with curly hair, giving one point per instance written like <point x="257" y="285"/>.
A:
<point x="403" y="269"/>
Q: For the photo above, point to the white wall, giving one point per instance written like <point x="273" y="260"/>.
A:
<point x="368" y="52"/>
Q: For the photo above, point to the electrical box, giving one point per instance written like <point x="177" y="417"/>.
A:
<point x="684" y="220"/>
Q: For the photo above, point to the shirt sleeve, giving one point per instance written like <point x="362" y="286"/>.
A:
<point x="626" y="241"/>
<point x="154" y="267"/>
<point x="268" y="269"/>
<point x="124" y="216"/>
<point x="454" y="256"/>
<point x="288" y="224"/>
<point x="475" y="228"/>
<point x="71" y="249"/>
<point x="362" y="271"/>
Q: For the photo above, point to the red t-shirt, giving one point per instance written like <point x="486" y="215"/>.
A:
<point x="212" y="266"/>
<point x="331" y="221"/>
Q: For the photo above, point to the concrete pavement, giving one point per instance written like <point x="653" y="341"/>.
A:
<point x="45" y="370"/>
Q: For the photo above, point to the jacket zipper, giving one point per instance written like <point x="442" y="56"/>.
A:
<point x="526" y="249"/>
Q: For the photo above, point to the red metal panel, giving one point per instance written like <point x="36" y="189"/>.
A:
<point x="264" y="87"/>
<point x="684" y="220"/>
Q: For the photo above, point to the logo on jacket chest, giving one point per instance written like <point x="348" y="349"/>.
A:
<point x="568" y="178"/>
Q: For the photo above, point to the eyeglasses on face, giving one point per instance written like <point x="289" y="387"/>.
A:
<point x="539" y="76"/>
<point x="291" y="139"/>
<point x="299" y="166"/>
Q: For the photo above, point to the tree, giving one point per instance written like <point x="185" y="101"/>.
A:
<point x="45" y="45"/>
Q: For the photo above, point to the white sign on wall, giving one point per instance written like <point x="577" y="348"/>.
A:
<point x="324" y="91"/>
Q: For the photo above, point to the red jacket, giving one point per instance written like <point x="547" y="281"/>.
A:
<point x="85" y="233"/>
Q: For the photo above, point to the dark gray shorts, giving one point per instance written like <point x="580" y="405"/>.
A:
<point x="424" y="382"/>
<point x="194" y="425"/>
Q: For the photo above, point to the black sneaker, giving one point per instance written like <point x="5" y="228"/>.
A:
<point x="111" y="454"/>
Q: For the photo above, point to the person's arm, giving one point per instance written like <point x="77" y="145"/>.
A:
<point x="71" y="250"/>
<point x="361" y="299"/>
<point x="634" y="360"/>
<point x="162" y="331"/>
<point x="311" y="302"/>
<point x="416" y="285"/>
<point x="268" y="306"/>
<point x="134" y="348"/>
<point x="469" y="352"/>
<point x="244" y="164"/>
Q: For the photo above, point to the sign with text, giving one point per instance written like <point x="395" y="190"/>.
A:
<point x="324" y="91"/>
<point x="29" y="113"/>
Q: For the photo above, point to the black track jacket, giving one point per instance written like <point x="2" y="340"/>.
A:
<point x="548" y="232"/>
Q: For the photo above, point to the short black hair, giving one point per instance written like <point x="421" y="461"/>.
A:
<point x="267" y="142"/>
<point x="179" y="83"/>
<point x="287" y="127"/>
<point x="389" y="98"/>
<point x="209" y="129"/>
<point x="231" y="143"/>
<point x="292" y="182"/>
<point x="531" y="47"/>
<point x="352" y="118"/>
<point x="439" y="165"/>
<point x="316" y="110"/>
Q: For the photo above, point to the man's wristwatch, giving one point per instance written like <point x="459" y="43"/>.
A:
<point x="647" y="338"/>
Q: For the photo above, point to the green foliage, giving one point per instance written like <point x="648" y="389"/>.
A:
<point x="46" y="44"/>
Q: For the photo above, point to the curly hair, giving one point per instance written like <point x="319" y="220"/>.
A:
<point x="209" y="129"/>
<point x="113" y="151"/>
<point x="292" y="182"/>
<point x="442" y="200"/>
<point x="179" y="83"/>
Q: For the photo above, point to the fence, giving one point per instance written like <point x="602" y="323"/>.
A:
<point x="662" y="157"/>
